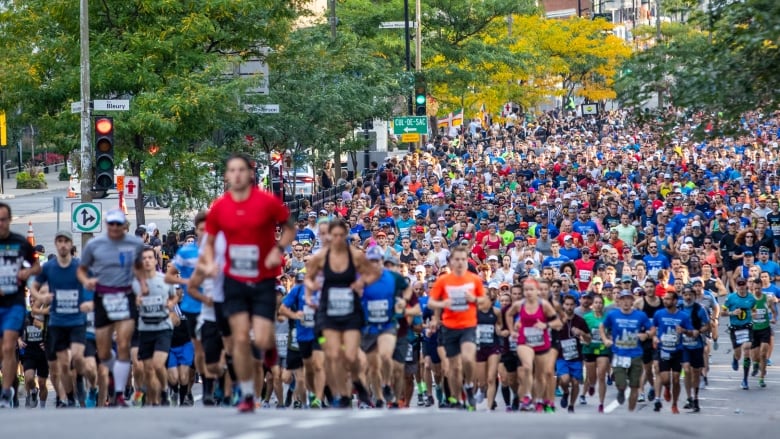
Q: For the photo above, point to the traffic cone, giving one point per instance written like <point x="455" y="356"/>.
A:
<point x="30" y="234"/>
<point x="71" y="189"/>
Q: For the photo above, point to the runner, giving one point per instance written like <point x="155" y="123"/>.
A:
<point x="670" y="324"/>
<point x="155" y="326"/>
<point x="33" y="357"/>
<point x="489" y="330"/>
<point x="762" y="331"/>
<point x="248" y="218"/>
<point x="457" y="294"/>
<point x="596" y="355"/>
<point x="623" y="330"/>
<point x="693" y="354"/>
<point x="13" y="278"/>
<point x="339" y="319"/>
<point x="570" y="338"/>
<point x="738" y="306"/>
<point x="108" y="265"/>
<point x="66" y="334"/>
<point x="649" y="303"/>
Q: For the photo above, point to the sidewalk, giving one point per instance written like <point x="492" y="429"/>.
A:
<point x="52" y="180"/>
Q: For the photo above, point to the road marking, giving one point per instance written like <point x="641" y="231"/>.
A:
<point x="736" y="382"/>
<point x="204" y="435"/>
<point x="271" y="423"/>
<point x="715" y="399"/>
<point x="313" y="423"/>
<point x="611" y="407"/>
<point x="368" y="414"/>
<point x="254" y="435"/>
<point x="580" y="436"/>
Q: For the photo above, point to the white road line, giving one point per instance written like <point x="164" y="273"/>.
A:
<point x="253" y="435"/>
<point x="204" y="435"/>
<point x="736" y="381"/>
<point x="580" y="436"/>
<point x="271" y="423"/>
<point x="368" y="414"/>
<point x="611" y="406"/>
<point x="313" y="423"/>
<point x="715" y="399"/>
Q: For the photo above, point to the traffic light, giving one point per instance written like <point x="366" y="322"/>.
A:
<point x="420" y="96"/>
<point x="104" y="153"/>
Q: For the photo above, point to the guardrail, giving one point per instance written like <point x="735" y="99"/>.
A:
<point x="11" y="171"/>
<point x="316" y="201"/>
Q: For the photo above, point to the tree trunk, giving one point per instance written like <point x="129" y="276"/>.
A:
<point x="135" y="170"/>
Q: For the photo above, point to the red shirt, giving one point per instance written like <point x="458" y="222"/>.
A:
<point x="249" y="227"/>
<point x="584" y="273"/>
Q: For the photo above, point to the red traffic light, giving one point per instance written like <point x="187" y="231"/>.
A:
<point x="104" y="126"/>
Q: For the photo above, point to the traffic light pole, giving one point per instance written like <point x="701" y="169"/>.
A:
<point x="86" y="143"/>
<point x="407" y="38"/>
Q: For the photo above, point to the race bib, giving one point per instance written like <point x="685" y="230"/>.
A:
<point x="9" y="282"/>
<point x="67" y="301"/>
<point x="669" y="341"/>
<point x="665" y="355"/>
<point x="585" y="276"/>
<point x="595" y="336"/>
<point x="244" y="260"/>
<point x="760" y="316"/>
<point x="742" y="336"/>
<point x="457" y="297"/>
<point x="378" y="311"/>
<point x="294" y="339"/>
<point x="690" y="341"/>
<point x="534" y="337"/>
<point x="34" y="334"/>
<point x="569" y="349"/>
<point x="513" y="344"/>
<point x="621" y="361"/>
<point x="91" y="322"/>
<point x="153" y="310"/>
<point x="485" y="334"/>
<point x="341" y="302"/>
<point x="281" y="344"/>
<point x="410" y="353"/>
<point x="308" y="317"/>
<point x="117" y="306"/>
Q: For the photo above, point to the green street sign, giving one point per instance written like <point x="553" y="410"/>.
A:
<point x="410" y="125"/>
<point x="86" y="217"/>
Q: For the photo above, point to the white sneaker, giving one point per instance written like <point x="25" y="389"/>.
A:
<point x="7" y="400"/>
<point x="479" y="396"/>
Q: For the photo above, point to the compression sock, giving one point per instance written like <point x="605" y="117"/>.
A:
<point x="328" y="395"/>
<point x="221" y="383"/>
<point x="745" y="368"/>
<point x="121" y="373"/>
<point x="445" y="384"/>
<point x="208" y="387"/>
<point x="247" y="388"/>
<point x="231" y="370"/>
<point x="506" y="394"/>
<point x="182" y="393"/>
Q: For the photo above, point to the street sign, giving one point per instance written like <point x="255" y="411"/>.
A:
<point x="397" y="25"/>
<point x="590" y="109"/>
<point x="262" y="109"/>
<point x="75" y="107"/>
<point x="131" y="187"/>
<point x="410" y="124"/>
<point x="3" y="130"/>
<point x="110" y="105"/>
<point x="410" y="138"/>
<point x="86" y="218"/>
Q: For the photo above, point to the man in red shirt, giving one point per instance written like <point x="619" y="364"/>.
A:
<point x="248" y="218"/>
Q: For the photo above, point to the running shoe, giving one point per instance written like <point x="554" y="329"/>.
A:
<point x="651" y="394"/>
<point x="429" y="401"/>
<point x="60" y="404"/>
<point x="591" y="390"/>
<point x="696" y="408"/>
<point x="247" y="405"/>
<point x="667" y="394"/>
<point x="420" y="399"/>
<point x="315" y="404"/>
<point x="688" y="404"/>
<point x="138" y="397"/>
<point x="734" y="364"/>
<point x="7" y="398"/>
<point x="266" y="405"/>
<point x="621" y="396"/>
<point x="761" y="383"/>
<point x="755" y="370"/>
<point x="526" y="405"/>
<point x="769" y="362"/>
<point x="715" y="345"/>
<point x="119" y="401"/>
<point x="209" y="401"/>
<point x="657" y="406"/>
<point x="744" y="385"/>
<point x="558" y="392"/>
<point x="387" y="393"/>
<point x="641" y="398"/>
<point x="675" y="410"/>
<point x="583" y="401"/>
<point x="297" y="405"/>
<point x="610" y="379"/>
<point x="549" y="407"/>
<point x="34" y="397"/>
<point x="705" y="381"/>
<point x="539" y="407"/>
<point x="471" y="401"/>
<point x="92" y="396"/>
<point x="564" y="400"/>
<point x="601" y="408"/>
<point x="571" y="409"/>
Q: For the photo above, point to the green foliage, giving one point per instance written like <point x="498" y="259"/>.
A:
<point x="31" y="178"/>
<point x="64" y="176"/>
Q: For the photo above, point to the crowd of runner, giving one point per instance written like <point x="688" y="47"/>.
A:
<point x="511" y="267"/>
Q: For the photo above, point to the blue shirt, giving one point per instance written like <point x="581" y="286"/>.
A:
<point x="656" y="263"/>
<point x="667" y="323"/>
<point x="304" y="235"/>
<point x="66" y="291"/>
<point x="185" y="261"/>
<point x="625" y="329"/>
<point x="554" y="262"/>
<point x="770" y="267"/>
<point x="296" y="301"/>
<point x="734" y="302"/>
<point x="572" y="253"/>
<point x="379" y="304"/>
<point x="704" y="318"/>
<point x="584" y="227"/>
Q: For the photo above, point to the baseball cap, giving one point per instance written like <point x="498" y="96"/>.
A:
<point x="40" y="249"/>
<point x="492" y="258"/>
<point x="746" y="206"/>
<point x="64" y="234"/>
<point x="493" y="284"/>
<point x="596" y="280"/>
<point x="567" y="237"/>
<point x="116" y="216"/>
<point x="748" y="253"/>
<point x="763" y="249"/>
<point x="626" y="278"/>
<point x="420" y="229"/>
<point x="374" y="253"/>
<point x="625" y="293"/>
<point x="523" y="225"/>
<point x="696" y="224"/>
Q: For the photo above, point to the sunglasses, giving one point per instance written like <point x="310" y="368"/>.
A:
<point x="114" y="223"/>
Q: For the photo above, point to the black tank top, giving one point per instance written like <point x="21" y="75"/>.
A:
<point x="650" y="310"/>
<point x="486" y="328"/>
<point x="406" y="258"/>
<point x="338" y="301"/>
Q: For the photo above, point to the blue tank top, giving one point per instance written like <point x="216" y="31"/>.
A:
<point x="378" y="303"/>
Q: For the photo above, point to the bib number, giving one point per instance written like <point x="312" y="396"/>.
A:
<point x="9" y="282"/>
<point x="485" y="334"/>
<point x="378" y="311"/>
<point x="244" y="260"/>
<point x="669" y="341"/>
<point x="34" y="334"/>
<point x="294" y="339"/>
<point x="534" y="337"/>
<point x="281" y="343"/>
<point x="67" y="301"/>
<point x="91" y="322"/>
<point x="410" y="353"/>
<point x="308" y="317"/>
<point x="742" y="336"/>
<point x="117" y="306"/>
<point x="569" y="349"/>
<point x="341" y="302"/>
<point x="690" y="341"/>
<point x="153" y="310"/>
<point x="458" y="301"/>
<point x="513" y="344"/>
<point x="621" y="361"/>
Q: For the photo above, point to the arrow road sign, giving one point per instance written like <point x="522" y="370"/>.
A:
<point x="131" y="187"/>
<point x="86" y="218"/>
<point x="410" y="124"/>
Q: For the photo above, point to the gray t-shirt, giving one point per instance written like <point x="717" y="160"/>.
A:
<point x="112" y="261"/>
<point x="153" y="311"/>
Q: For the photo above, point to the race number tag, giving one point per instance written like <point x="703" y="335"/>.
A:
<point x="244" y="260"/>
<point x="9" y="282"/>
<point x="378" y="311"/>
<point x="281" y="344"/>
<point x="294" y="339"/>
<point x="621" y="361"/>
<point x="34" y="334"/>
<point x="341" y="302"/>
<point x="485" y="334"/>
<point x="690" y="341"/>
<point x="742" y="336"/>
<point x="669" y="341"/>
<point x="67" y="301"/>
<point x="534" y="337"/>
<point x="595" y="336"/>
<point x="117" y="306"/>
<point x="91" y="322"/>
<point x="512" y="343"/>
<point x="410" y="353"/>
<point x="569" y="349"/>
<point x="457" y="297"/>
<point x="153" y="309"/>
<point x="308" y="317"/>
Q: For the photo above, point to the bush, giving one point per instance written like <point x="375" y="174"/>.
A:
<point x="31" y="178"/>
<point x="64" y="176"/>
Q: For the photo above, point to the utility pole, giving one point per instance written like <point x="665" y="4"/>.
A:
<point x="86" y="138"/>
<point x="407" y="38"/>
<point x="658" y="41"/>
<point x="332" y="19"/>
<point x="418" y="37"/>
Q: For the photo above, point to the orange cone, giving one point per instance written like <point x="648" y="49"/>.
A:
<point x="72" y="188"/>
<point x="30" y="234"/>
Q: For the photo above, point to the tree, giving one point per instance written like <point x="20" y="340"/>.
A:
<point x="169" y="58"/>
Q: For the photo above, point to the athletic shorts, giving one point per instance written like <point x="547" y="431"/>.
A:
<point x="211" y="339"/>
<point x="591" y="358"/>
<point x="403" y="350"/>
<point x="222" y="321"/>
<point x="571" y="368"/>
<point x="368" y="342"/>
<point x="136" y="340"/>
<point x="61" y="337"/>
<point x="154" y="341"/>
<point x="35" y="359"/>
<point x="182" y="355"/>
<point x="90" y="349"/>
<point x="307" y="348"/>
<point x="257" y="299"/>
<point x="294" y="360"/>
<point x="430" y="348"/>
<point x="483" y="353"/>
<point x="115" y="307"/>
<point x="694" y="357"/>
<point x="12" y="318"/>
<point x="648" y="353"/>
<point x="452" y="339"/>
<point x="740" y="335"/>
<point x="762" y="336"/>
<point x="631" y="374"/>
<point x="511" y="361"/>
<point x="192" y="324"/>
<point x="671" y="361"/>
